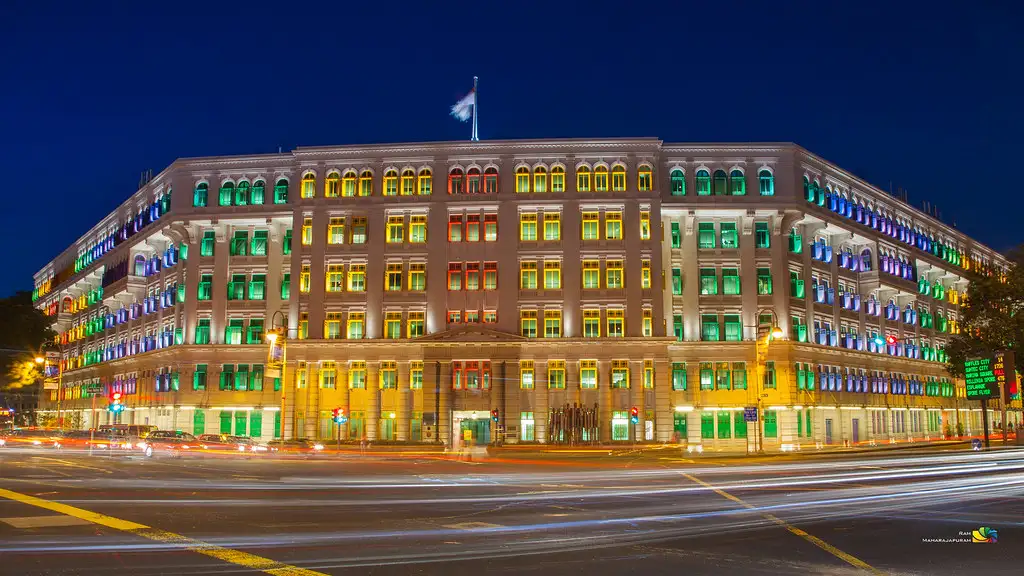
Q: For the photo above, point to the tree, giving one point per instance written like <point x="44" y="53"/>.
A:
<point x="991" y="316"/>
<point x="23" y="330"/>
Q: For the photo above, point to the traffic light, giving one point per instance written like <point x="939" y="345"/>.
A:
<point x="890" y="340"/>
<point x="116" y="407"/>
<point x="494" y="416"/>
<point x="338" y="414"/>
<point x="634" y="415"/>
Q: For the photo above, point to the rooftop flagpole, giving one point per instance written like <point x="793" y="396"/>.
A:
<point x="476" y="104"/>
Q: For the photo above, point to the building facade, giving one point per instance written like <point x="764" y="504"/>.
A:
<point x="521" y="291"/>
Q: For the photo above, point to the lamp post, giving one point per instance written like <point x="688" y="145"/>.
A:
<point x="772" y="333"/>
<point x="44" y="360"/>
<point x="277" y="358"/>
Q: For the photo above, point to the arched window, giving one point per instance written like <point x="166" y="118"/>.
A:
<point x="767" y="183"/>
<point x="259" y="191"/>
<point x="677" y="183"/>
<point x="426" y="181"/>
<point x="308" y="185"/>
<point x="455" y="181"/>
<point x="819" y="194"/>
<point x="601" y="179"/>
<point x="281" y="192"/>
<point x="522" y="179"/>
<point x="865" y="260"/>
<point x="242" y="193"/>
<point x="67" y="304"/>
<point x="644" y="178"/>
<point x="557" y="179"/>
<point x="703" y="183"/>
<point x="408" y="179"/>
<point x="139" y="269"/>
<point x="540" y="179"/>
<point x="718" y="185"/>
<point x="391" y="183"/>
<point x="583" y="179"/>
<point x="473" y="181"/>
<point x="332" y="185"/>
<point x="491" y="180"/>
<point x="808" y="191"/>
<point x="619" y="179"/>
<point x="366" y="183"/>
<point x="348" y="184"/>
<point x="737" y="183"/>
<point x="200" y="195"/>
<point x="227" y="190"/>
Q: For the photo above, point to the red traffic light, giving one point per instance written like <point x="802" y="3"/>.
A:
<point x="116" y="396"/>
<point x="890" y="340"/>
<point x="494" y="415"/>
<point x="634" y="411"/>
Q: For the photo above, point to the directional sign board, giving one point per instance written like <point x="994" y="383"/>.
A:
<point x="986" y="377"/>
<point x="750" y="414"/>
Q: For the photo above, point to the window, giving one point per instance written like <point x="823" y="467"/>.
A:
<point x="552" y="274"/>
<point x="348" y="184"/>
<point x="236" y="287"/>
<point x="552" y="323"/>
<point x="357" y="277"/>
<point x="199" y="377"/>
<point x="281" y="192"/>
<point x="522" y="179"/>
<point x="799" y="329"/>
<point x="557" y="179"/>
<point x="540" y="179"/>
<point x="677" y="326"/>
<point x="643" y="178"/>
<point x="724" y="425"/>
<point x="679" y="376"/>
<point x="491" y="180"/>
<point x="583" y="179"/>
<point x="796" y="242"/>
<point x="648" y="323"/>
<point x="490" y="316"/>
<point x="242" y="193"/>
<point x="395" y="230"/>
<point x="729" y="237"/>
<point x="590" y="226"/>
<point x="304" y="279"/>
<point x="408" y="176"/>
<point x="556" y="374"/>
<point x="707" y="376"/>
<point x="286" y="286"/>
<point x="706" y="235"/>
<point x="356" y="325"/>
<point x="472" y="316"/>
<point x="528" y="323"/>
<point x="205" y="287"/>
<point x="203" y="331"/>
<point x="366" y="183"/>
<point x="258" y="247"/>
<point x="454" y="316"/>
<point x="473" y="228"/>
<point x="490" y="227"/>
<point x="414" y="325"/>
<point x="676" y="235"/>
<point x="233" y="332"/>
<point x="390" y="183"/>
<point x="552" y="226"/>
<point x="645" y="274"/>
<point x="528" y="227"/>
<point x="708" y="282"/>
<point x="393" y="277"/>
<point x="527" y="275"/>
<point x="771" y="429"/>
<point x="737" y="183"/>
<point x="307" y="231"/>
<point x="707" y="425"/>
<point x="620" y="374"/>
<point x="613" y="225"/>
<point x="227" y="190"/>
<point x="526" y="427"/>
<point x="332" y="185"/>
<point x="733" y="328"/>
<point x="200" y="195"/>
<point x="796" y="284"/>
<point x="455" y="276"/>
<point x="591" y="323"/>
<point x="303" y="325"/>
<point x="588" y="374"/>
<point x="207" y="244"/>
<point x="239" y="243"/>
<point x="227" y="379"/>
<point x="677" y="282"/>
<point x="677" y="183"/>
<point x="730" y="281"/>
<point x="709" y="327"/>
<point x="454" y="228"/>
<point x="254" y="335"/>
<point x="764" y="281"/>
<point x="332" y="325"/>
<point x="723" y="377"/>
<point x="335" y="278"/>
<point x="767" y="183"/>
<point x="328" y="375"/>
<point x="762" y="237"/>
<point x="473" y="181"/>
<point x="417" y="229"/>
<point x="769" y="375"/>
<point x="619" y="179"/>
<point x="718" y="185"/>
<point x="490" y="275"/>
<point x="613" y="274"/>
<point x="703" y="183"/>
<point x="601" y="179"/>
<point x="257" y="287"/>
<point x="359" y="230"/>
<point x="645" y="224"/>
<point x="614" y="319"/>
<point x="357" y="375"/>
<point x="393" y="325"/>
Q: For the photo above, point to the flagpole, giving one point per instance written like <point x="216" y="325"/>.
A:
<point x="476" y="104"/>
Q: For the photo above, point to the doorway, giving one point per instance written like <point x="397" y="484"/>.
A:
<point x="856" y="430"/>
<point x="828" y="430"/>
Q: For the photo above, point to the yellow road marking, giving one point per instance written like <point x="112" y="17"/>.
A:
<point x="70" y="464"/>
<point x="849" y="559"/>
<point x="237" y="557"/>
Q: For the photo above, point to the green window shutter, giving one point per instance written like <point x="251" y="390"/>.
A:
<point x="199" y="377"/>
<point x="259" y="243"/>
<point x="679" y="376"/>
<point x="286" y="286"/>
<point x="707" y="425"/>
<point x="198" y="423"/>
<point x="241" y="422"/>
<point x="771" y="429"/>
<point x="677" y="236"/>
<point x="256" y="424"/>
<point x="286" y="244"/>
<point x="807" y="420"/>
<point x="242" y="377"/>
<point x="706" y="235"/>
<point x="258" y="192"/>
<point x="740" y="425"/>
<point x="206" y="246"/>
<point x="677" y="281"/>
<point x="227" y="377"/>
<point x="225" y="422"/>
<point x="723" y="425"/>
<point x="799" y="422"/>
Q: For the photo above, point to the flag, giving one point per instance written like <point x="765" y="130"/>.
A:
<point x="463" y="108"/>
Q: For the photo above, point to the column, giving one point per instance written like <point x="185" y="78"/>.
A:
<point x="604" y="400"/>
<point x="341" y="369"/>
<point x="664" y="410"/>
<point x="221" y="253"/>
<point x="541" y="402"/>
<point x="443" y="378"/>
<point x="404" y="402"/>
<point x="636" y="393"/>
<point x="373" y="399"/>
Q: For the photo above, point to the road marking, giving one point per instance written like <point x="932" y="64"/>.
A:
<point x="849" y="559"/>
<point x="472" y="525"/>
<point x="43" y="521"/>
<point x="236" y="557"/>
<point x="72" y="464"/>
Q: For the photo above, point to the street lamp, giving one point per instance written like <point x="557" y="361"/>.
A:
<point x="277" y="358"/>
<point x="40" y="359"/>
<point x="762" y="358"/>
<point x="43" y="360"/>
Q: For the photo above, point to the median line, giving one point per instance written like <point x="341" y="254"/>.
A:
<point x="237" y="557"/>
<point x="848" y="558"/>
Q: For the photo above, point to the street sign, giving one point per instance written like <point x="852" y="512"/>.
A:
<point x="48" y="385"/>
<point x="52" y="356"/>
<point x="764" y="395"/>
<point x="983" y="376"/>
<point x="272" y="372"/>
<point x="750" y="414"/>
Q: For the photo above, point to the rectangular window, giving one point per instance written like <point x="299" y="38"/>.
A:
<point x="389" y="376"/>
<point x="591" y="274"/>
<point x="730" y="281"/>
<point x="706" y="235"/>
<point x="613" y="225"/>
<point x="257" y="287"/>
<point x="233" y="331"/>
<point x="733" y="328"/>
<point x="239" y="243"/>
<point x="677" y="281"/>
<point x="729" y="237"/>
<point x="335" y="231"/>
<point x="526" y="374"/>
<point x="303" y="325"/>
<point x="307" y="231"/>
<point x="455" y="275"/>
<point x="645" y="274"/>
<point x="796" y="285"/>
<point x="455" y="228"/>
<point x="454" y="316"/>
<point x="552" y="323"/>
<point x="254" y="335"/>
<point x="527" y="275"/>
<point x="203" y="331"/>
<point x="708" y="281"/>
<point x="328" y="375"/>
<point x="395" y="233"/>
<point x="762" y="237"/>
<point x="590" y="226"/>
<point x="359" y="230"/>
<point x="588" y="374"/>
<point x="417" y="277"/>
<point x="591" y="323"/>
<point x="356" y="325"/>
<point x="723" y="376"/>
<point x="490" y="275"/>
<point x="615" y="320"/>
<point x="205" y="287"/>
<point x="472" y="316"/>
<point x="556" y="374"/>
<point x="357" y="375"/>
<point x="676" y="235"/>
<point x="528" y="227"/>
<point x="739" y="375"/>
<point x="356" y="277"/>
<point x="227" y="378"/>
<point x="286" y="286"/>
<point x="472" y="275"/>
<point x="332" y="326"/>
<point x="393" y="277"/>
<point x="724" y="425"/>
<point x="417" y="229"/>
<point x="335" y="278"/>
<point x="490" y="227"/>
<point x="769" y="375"/>
<point x="707" y="376"/>
<point x="677" y="327"/>
<point x="236" y="287"/>
<point x="199" y="377"/>
<point x="552" y="226"/>
<point x="490" y="316"/>
<point x="473" y="228"/>
<point x="796" y="242"/>
<point x="526" y="427"/>
<point x="648" y="323"/>
<point x="259" y="243"/>
<point x="528" y="323"/>
<point x="764" y="281"/>
<point x="709" y="327"/>
<point x="414" y="325"/>
<point x="707" y="425"/>
<point x="552" y="274"/>
<point x="613" y="274"/>
<point x="679" y="376"/>
<point x="620" y="374"/>
<point x="286" y="243"/>
<point x="645" y="224"/>
<point x="208" y="242"/>
<point x="415" y="375"/>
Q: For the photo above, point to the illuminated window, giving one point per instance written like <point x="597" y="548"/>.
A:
<point x="200" y="195"/>
<point x="558" y="179"/>
<point x="393" y="277"/>
<point x="242" y="193"/>
<point x="391" y="183"/>
<point x="618" y="179"/>
<point x="473" y="228"/>
<point x="620" y="374"/>
<point x="425" y="182"/>
<point x="414" y="325"/>
<point x="528" y="227"/>
<point x="303" y="325"/>
<point x="737" y="183"/>
<point x="335" y="230"/>
<point x="490" y="316"/>
<point x="455" y="181"/>
<point x="730" y="238"/>
<point x="332" y="185"/>
<point x="708" y="331"/>
<point x="528" y="323"/>
<point x="588" y="374"/>
<point x="472" y="316"/>
<point x="552" y="226"/>
<point x="540" y="179"/>
<point x="552" y="274"/>
<point x="583" y="179"/>
<point x="307" y="231"/>
<point x="764" y="281"/>
<point x="522" y="179"/>
<point x="357" y="278"/>
<point x="332" y="326"/>
<point x="389" y="375"/>
<point x="417" y="277"/>
<point x="490" y="227"/>
<point x="335" y="280"/>
<point x="613" y="225"/>
<point x="552" y="323"/>
<point x="644" y="178"/>
<point x="613" y="274"/>
<point x="227" y="190"/>
<point x="648" y="325"/>
<point x="527" y="275"/>
<point x="417" y="229"/>
<point x="357" y="375"/>
<point x="490" y="275"/>
<point x="455" y="276"/>
<point x="767" y="183"/>
<point x="393" y="325"/>
<point x="304" y="279"/>
<point x="356" y="321"/>
<point x="348" y="184"/>
<point x="677" y="183"/>
<point x="601" y="179"/>
<point x="473" y="181"/>
<point x="703" y="183"/>
<point x="366" y="183"/>
<point x="408" y="179"/>
<point x="645" y="225"/>
<point x="591" y="274"/>
<point x="614" y="320"/>
<point x="591" y="323"/>
<point x="526" y="374"/>
<point x="730" y="281"/>
<point x="718" y="184"/>
<point x="556" y="374"/>
<point x="590" y="228"/>
<point x="491" y="181"/>
<point x="454" y="316"/>
<point x="472" y="276"/>
<point x="645" y="274"/>
<point x="454" y="228"/>
<point x="359" y="230"/>
<point x="395" y="230"/>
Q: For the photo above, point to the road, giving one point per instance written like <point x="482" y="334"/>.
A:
<point x="66" y="513"/>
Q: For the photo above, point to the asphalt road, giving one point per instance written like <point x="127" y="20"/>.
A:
<point x="66" y="513"/>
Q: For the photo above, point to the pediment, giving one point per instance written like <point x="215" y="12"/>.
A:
<point x="471" y="333"/>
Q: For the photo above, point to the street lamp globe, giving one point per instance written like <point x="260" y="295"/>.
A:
<point x="40" y="360"/>
<point x="777" y="332"/>
<point x="272" y="336"/>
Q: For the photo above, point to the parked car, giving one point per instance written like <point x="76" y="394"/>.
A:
<point x="168" y="443"/>
<point x="301" y="446"/>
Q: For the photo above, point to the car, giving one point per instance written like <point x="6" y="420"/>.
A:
<point x="31" y="438"/>
<point x="94" y="440"/>
<point x="301" y="446"/>
<point x="168" y="443"/>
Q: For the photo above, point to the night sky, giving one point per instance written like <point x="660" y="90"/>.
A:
<point x="923" y="95"/>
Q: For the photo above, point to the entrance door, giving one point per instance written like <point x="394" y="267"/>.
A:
<point x="479" y="430"/>
<point x="856" y="430"/>
<point x="828" y="430"/>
